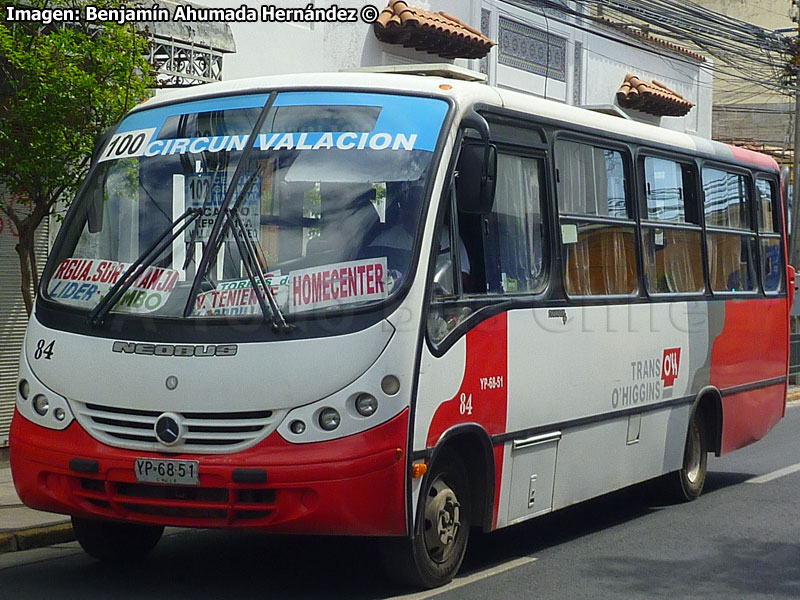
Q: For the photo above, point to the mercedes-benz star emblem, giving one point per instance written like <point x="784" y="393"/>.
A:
<point x="168" y="429"/>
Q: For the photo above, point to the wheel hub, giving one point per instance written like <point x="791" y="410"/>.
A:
<point x="442" y="521"/>
<point x="693" y="456"/>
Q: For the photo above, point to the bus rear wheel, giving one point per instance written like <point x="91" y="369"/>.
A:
<point x="114" y="542"/>
<point x="687" y="483"/>
<point x="434" y="555"/>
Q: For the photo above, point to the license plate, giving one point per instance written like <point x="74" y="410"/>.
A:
<point x="174" y="472"/>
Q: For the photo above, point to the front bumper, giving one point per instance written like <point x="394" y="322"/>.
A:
<point x="351" y="486"/>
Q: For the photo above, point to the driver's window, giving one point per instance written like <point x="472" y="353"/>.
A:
<point x="444" y="283"/>
<point x="500" y="253"/>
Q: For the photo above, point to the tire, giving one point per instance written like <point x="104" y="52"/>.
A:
<point x="686" y="484"/>
<point x="114" y="542"/>
<point x="434" y="555"/>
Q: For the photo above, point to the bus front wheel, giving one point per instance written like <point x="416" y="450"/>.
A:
<point x="686" y="484"/>
<point x="434" y="555"/>
<point x="114" y="542"/>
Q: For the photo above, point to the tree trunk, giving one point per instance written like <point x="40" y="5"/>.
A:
<point x="27" y="267"/>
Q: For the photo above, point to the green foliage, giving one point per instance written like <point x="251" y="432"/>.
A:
<point x="61" y="86"/>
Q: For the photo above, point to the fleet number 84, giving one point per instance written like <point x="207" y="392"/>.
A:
<point x="465" y="404"/>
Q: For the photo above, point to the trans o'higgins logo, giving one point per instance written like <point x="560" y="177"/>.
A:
<point x="174" y="350"/>
<point x="647" y="380"/>
<point x="670" y="363"/>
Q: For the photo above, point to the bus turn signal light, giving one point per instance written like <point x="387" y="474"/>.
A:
<point x="418" y="470"/>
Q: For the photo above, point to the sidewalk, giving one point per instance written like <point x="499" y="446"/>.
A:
<point x="22" y="528"/>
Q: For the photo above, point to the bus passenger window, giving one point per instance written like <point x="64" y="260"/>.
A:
<point x="730" y="234"/>
<point x="671" y="233"/>
<point x="769" y="234"/>
<point x="597" y="231"/>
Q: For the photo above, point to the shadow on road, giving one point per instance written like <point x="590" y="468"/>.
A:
<point x="221" y="564"/>
<point x="756" y="569"/>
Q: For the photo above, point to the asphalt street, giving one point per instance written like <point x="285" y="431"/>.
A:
<point x="741" y="539"/>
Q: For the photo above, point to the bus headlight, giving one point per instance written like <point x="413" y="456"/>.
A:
<point x="329" y="419"/>
<point x="390" y="385"/>
<point x="41" y="404"/>
<point x="24" y="388"/>
<point x="366" y="405"/>
<point x="38" y="403"/>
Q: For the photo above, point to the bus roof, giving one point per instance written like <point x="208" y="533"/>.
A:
<point x="466" y="93"/>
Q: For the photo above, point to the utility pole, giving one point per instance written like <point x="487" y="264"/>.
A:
<point x="794" y="250"/>
<point x="794" y="247"/>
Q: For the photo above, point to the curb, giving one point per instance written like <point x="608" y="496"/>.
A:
<point x="793" y="396"/>
<point x="36" y="537"/>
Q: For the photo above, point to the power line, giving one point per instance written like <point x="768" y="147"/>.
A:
<point x="759" y="71"/>
<point x="741" y="50"/>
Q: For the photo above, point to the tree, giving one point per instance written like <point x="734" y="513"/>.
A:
<point x="61" y="86"/>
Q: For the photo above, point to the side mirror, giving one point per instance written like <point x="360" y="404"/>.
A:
<point x="477" y="178"/>
<point x="477" y="168"/>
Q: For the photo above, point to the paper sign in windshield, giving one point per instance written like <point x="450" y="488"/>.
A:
<point x="338" y="284"/>
<point x="85" y="281"/>
<point x="237" y="298"/>
<point x="204" y="191"/>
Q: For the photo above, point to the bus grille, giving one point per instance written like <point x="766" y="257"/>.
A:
<point x="177" y="505"/>
<point x="209" y="433"/>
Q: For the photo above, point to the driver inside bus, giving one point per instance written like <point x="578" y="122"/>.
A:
<point x="397" y="242"/>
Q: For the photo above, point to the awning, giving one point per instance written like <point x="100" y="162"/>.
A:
<point x="653" y="98"/>
<point x="435" y="33"/>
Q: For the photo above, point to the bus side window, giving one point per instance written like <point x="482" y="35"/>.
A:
<point x="671" y="232"/>
<point x="513" y="233"/>
<point x="596" y="217"/>
<point x="769" y="235"/>
<point x="730" y="235"/>
<point x="499" y="253"/>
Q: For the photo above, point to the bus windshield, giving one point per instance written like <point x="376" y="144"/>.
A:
<point x="330" y="200"/>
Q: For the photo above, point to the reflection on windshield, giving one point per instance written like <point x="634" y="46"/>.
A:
<point x="330" y="198"/>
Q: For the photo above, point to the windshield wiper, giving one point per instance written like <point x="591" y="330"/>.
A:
<point x="148" y="257"/>
<point x="216" y="235"/>
<point x="254" y="271"/>
<point x="249" y="255"/>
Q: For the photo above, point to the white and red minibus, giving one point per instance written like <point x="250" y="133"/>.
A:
<point x="394" y="306"/>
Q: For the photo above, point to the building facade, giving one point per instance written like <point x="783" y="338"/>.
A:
<point x="540" y="50"/>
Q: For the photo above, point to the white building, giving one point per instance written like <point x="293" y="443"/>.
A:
<point x="543" y="51"/>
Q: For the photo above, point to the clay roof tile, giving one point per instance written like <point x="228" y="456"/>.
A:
<point x="437" y="33"/>
<point x="627" y="29"/>
<point x="654" y="97"/>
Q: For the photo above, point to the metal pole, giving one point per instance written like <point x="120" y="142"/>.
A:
<point x="794" y="259"/>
